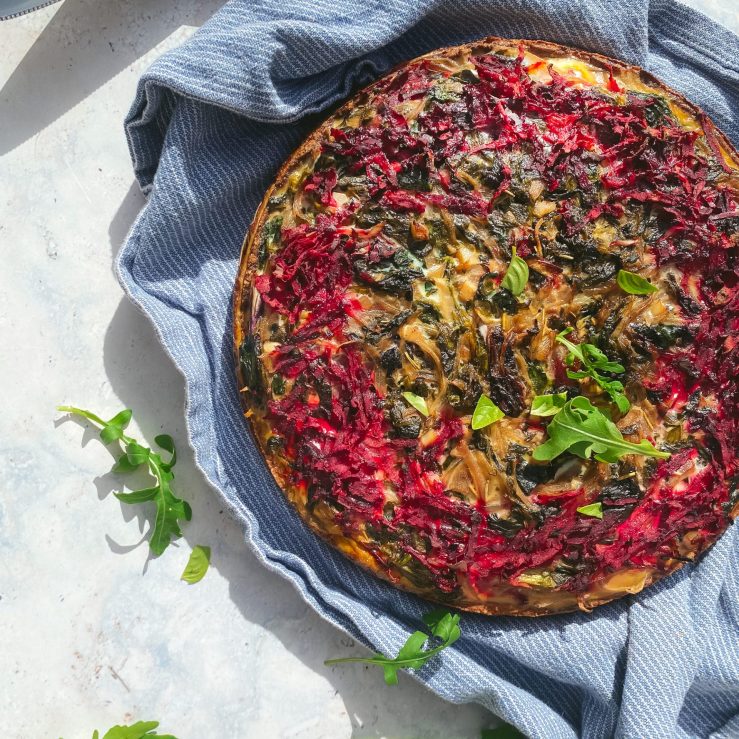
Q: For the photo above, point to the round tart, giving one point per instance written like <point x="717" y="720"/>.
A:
<point x="487" y="329"/>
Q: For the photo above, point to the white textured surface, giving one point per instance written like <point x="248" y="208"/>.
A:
<point x="91" y="633"/>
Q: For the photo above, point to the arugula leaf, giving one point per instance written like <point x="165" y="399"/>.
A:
<point x="593" y="509"/>
<point x="634" y="284"/>
<point x="506" y="731"/>
<point x="593" y="361"/>
<point x="197" y="565"/>
<point x="442" y="624"/>
<point x="417" y="402"/>
<point x="486" y="412"/>
<point x="170" y="509"/>
<point x="139" y="730"/>
<point x="548" y="405"/>
<point x="584" y="430"/>
<point x="412" y="655"/>
<point x="517" y="275"/>
<point x="114" y="428"/>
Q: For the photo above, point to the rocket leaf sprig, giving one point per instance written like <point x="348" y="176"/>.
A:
<point x="444" y="628"/>
<point x="170" y="510"/>
<point x="593" y="362"/>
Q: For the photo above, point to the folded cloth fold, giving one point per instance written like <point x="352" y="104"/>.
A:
<point x="211" y="123"/>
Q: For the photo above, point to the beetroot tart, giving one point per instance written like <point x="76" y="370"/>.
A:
<point x="487" y="329"/>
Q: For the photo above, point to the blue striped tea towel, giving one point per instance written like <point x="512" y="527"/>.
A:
<point x="211" y="123"/>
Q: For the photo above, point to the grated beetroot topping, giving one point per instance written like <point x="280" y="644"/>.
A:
<point x="331" y="422"/>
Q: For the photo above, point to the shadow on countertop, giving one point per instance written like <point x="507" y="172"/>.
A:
<point x="156" y="394"/>
<point x="85" y="44"/>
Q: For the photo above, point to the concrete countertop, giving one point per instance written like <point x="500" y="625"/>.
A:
<point x="92" y="632"/>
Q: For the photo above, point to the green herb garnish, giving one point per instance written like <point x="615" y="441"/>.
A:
<point x="593" y="509"/>
<point x="634" y="284"/>
<point x="197" y="565"/>
<point x="412" y="655"/>
<point x="486" y="412"/>
<point x="548" y="405"/>
<point x="517" y="275"/>
<point x="593" y="361"/>
<point x="417" y="402"/>
<point x="139" y="730"/>
<point x="170" y="509"/>
<point x="584" y="430"/>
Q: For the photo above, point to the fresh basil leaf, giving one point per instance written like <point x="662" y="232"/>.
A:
<point x="548" y="405"/>
<point x="197" y="565"/>
<point x="634" y="284"/>
<point x="170" y="510"/>
<point x="413" y="655"/>
<point x="593" y="509"/>
<point x="517" y="275"/>
<point x="586" y="431"/>
<point x="417" y="402"/>
<point x="486" y="412"/>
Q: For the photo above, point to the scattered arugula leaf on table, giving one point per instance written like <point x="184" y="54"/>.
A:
<point x="517" y="275"/>
<point x="170" y="509"/>
<point x="197" y="565"/>
<point x="485" y="413"/>
<point x="139" y="730"/>
<point x="593" y="361"/>
<point x="584" y="430"/>
<point x="443" y="625"/>
<point x="634" y="284"/>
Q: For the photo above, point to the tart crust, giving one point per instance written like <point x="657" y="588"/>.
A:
<point x="507" y="600"/>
